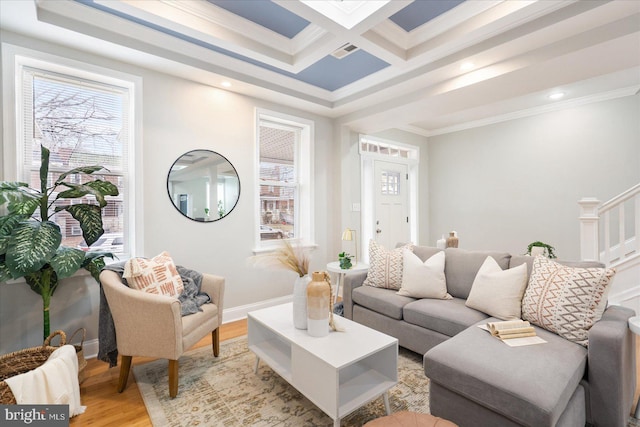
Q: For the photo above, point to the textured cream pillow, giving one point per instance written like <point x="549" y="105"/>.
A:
<point x="498" y="292"/>
<point x="423" y="279"/>
<point x="157" y="275"/>
<point x="566" y="300"/>
<point x="385" y="266"/>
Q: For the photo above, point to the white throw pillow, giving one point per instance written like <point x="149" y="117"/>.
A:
<point x="423" y="279"/>
<point x="498" y="292"/>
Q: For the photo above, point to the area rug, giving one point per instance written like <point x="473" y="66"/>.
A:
<point x="225" y="391"/>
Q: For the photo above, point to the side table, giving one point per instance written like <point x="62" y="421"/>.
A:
<point x="634" y="325"/>
<point x="334" y="267"/>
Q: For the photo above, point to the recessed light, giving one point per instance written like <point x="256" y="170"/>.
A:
<point x="556" y="96"/>
<point x="226" y="84"/>
<point x="466" y="66"/>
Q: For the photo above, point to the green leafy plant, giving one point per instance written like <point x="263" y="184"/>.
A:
<point x="548" y="249"/>
<point x="30" y="243"/>
<point x="345" y="260"/>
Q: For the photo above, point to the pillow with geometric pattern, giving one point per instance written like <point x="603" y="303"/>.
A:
<point x="566" y="300"/>
<point x="385" y="266"/>
<point x="157" y="275"/>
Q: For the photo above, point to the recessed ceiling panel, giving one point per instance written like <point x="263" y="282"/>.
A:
<point x="265" y="13"/>
<point x="331" y="73"/>
<point x="422" y="11"/>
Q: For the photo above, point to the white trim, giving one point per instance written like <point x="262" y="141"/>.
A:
<point x="14" y="58"/>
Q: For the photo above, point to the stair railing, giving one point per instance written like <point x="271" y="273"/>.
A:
<point x="595" y="216"/>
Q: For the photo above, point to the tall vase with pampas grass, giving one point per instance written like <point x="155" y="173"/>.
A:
<point x="296" y="260"/>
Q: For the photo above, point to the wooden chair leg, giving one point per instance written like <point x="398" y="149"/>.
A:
<point x="173" y="378"/>
<point x="125" y="366"/>
<point x="215" y="340"/>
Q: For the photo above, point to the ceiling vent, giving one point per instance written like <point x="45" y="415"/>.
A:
<point x="344" y="50"/>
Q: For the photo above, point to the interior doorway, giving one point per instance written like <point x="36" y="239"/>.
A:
<point x="389" y="192"/>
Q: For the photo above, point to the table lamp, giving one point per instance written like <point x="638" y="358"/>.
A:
<point x="350" y="234"/>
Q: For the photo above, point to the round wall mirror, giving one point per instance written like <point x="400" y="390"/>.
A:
<point x="203" y="185"/>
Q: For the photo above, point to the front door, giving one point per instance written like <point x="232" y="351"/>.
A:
<point x="391" y="203"/>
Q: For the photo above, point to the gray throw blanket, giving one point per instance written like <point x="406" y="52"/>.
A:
<point x="190" y="301"/>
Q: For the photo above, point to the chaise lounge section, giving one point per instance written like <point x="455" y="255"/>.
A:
<point x="477" y="380"/>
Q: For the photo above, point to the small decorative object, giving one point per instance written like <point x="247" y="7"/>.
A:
<point x="296" y="260"/>
<point x="350" y="234"/>
<point x="220" y="209"/>
<point x="206" y="212"/>
<point x="452" y="240"/>
<point x="345" y="260"/>
<point x="318" y="305"/>
<point x="300" y="301"/>
<point x="441" y="243"/>
<point x="540" y="248"/>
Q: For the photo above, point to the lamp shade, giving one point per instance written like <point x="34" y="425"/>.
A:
<point x="347" y="234"/>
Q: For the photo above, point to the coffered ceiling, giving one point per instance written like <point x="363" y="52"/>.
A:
<point x="427" y="66"/>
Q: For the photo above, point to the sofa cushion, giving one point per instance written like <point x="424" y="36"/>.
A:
<point x="566" y="300"/>
<point x="461" y="267"/>
<point x="541" y="378"/>
<point x="383" y="301"/>
<point x="423" y="279"/>
<point x="498" y="292"/>
<point x="385" y="266"/>
<point x="448" y="317"/>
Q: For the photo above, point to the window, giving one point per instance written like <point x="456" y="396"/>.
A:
<point x="284" y="147"/>
<point x="83" y="118"/>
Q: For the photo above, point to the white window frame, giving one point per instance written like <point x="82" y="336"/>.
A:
<point x="14" y="59"/>
<point x="304" y="219"/>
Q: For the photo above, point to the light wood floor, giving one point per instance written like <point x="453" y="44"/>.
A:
<point x="107" y="407"/>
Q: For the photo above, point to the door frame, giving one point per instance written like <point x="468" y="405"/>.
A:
<point x="372" y="149"/>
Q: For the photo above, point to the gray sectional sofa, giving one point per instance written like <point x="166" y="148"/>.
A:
<point x="476" y="380"/>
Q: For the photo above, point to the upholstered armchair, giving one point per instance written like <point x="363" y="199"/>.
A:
<point x="151" y="325"/>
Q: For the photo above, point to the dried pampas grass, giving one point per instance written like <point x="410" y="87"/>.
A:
<point x="287" y="257"/>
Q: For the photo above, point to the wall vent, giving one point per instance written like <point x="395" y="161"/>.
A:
<point x="344" y="50"/>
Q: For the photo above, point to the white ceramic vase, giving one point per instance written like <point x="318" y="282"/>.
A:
<point x="300" y="302"/>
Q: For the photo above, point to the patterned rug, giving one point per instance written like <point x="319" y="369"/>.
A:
<point x="226" y="392"/>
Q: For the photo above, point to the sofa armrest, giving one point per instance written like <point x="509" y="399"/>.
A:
<point x="611" y="368"/>
<point x="214" y="287"/>
<point x="351" y="282"/>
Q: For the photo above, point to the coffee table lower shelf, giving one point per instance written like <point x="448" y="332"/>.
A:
<point x="338" y="373"/>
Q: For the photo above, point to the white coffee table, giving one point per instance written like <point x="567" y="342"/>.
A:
<point x="338" y="373"/>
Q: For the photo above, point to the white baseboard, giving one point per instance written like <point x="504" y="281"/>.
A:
<point x="228" y="315"/>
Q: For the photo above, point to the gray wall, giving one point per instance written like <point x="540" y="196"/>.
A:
<point x="181" y="115"/>
<point x="505" y="185"/>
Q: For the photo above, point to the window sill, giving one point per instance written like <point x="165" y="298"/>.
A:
<point x="272" y="248"/>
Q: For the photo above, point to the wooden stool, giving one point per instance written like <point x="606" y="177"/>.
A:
<point x="409" y="419"/>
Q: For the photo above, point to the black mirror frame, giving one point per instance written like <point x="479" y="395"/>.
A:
<point x="194" y="219"/>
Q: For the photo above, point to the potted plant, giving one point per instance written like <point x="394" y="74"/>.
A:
<point x="345" y="260"/>
<point x="546" y="250"/>
<point x="30" y="243"/>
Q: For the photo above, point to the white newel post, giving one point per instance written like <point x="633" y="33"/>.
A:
<point x="589" y="220"/>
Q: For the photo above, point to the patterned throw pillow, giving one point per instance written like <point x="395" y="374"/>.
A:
<point x="566" y="300"/>
<point x="157" y="275"/>
<point x="385" y="266"/>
